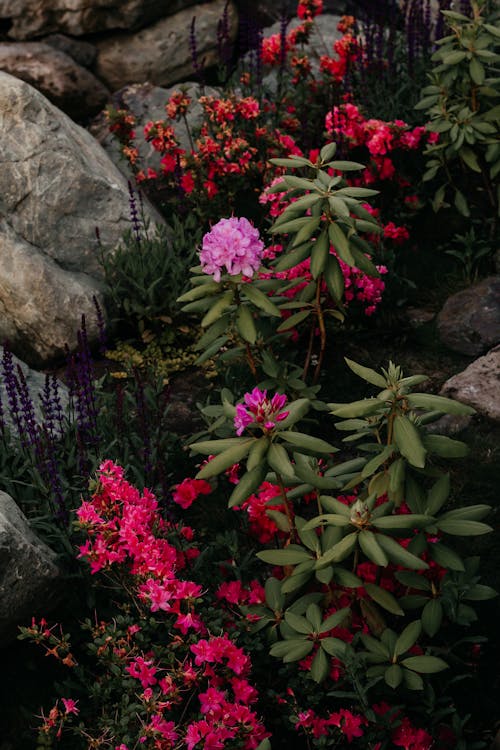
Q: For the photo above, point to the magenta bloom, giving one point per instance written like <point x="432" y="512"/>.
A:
<point x="259" y="409"/>
<point x="234" y="245"/>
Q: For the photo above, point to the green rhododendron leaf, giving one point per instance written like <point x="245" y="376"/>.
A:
<point x="384" y="598"/>
<point x="224" y="460"/>
<point x="425" y="664"/>
<point x="408" y="638"/>
<point x="393" y="676"/>
<point x="320" y="666"/>
<point x="291" y="555"/>
<point x="408" y="441"/>
<point x="432" y="617"/>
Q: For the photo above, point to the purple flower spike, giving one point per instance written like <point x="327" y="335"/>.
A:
<point x="261" y="410"/>
<point x="233" y="244"/>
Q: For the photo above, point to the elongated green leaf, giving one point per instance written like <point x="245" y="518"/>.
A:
<point x="214" y="447"/>
<point x="446" y="557"/>
<point x="408" y="441"/>
<point x="384" y="598"/>
<point x="282" y="648"/>
<point x="334" y="647"/>
<point x="438" y="403"/>
<point x="299" y="652"/>
<point x="339" y="551"/>
<point x="340" y="243"/>
<point x="425" y="664"/>
<point x="378" y="460"/>
<point x="294" y="320"/>
<point x="259" y="299"/>
<point x="393" y="676"/>
<point x="246" y="324"/>
<point x="334" y="620"/>
<point x="438" y="494"/>
<point x="277" y="458"/>
<point x="412" y="680"/>
<point x="203" y="290"/>
<point x="306" y="232"/>
<point x="308" y="442"/>
<point x="319" y="254"/>
<point x="298" y="623"/>
<point x="432" y="617"/>
<point x="457" y="527"/>
<point x="293" y="258"/>
<point x="215" y="312"/>
<point x="363" y="408"/>
<point x="248" y="484"/>
<point x="274" y="597"/>
<point x="296" y="410"/>
<point x="399" y="555"/>
<point x="224" y="460"/>
<point x="334" y="278"/>
<point x="403" y="521"/>
<point x="468" y="513"/>
<point x="445" y="447"/>
<point x="328" y="152"/>
<point x="371" y="548"/>
<point x="257" y="452"/>
<point x="320" y="666"/>
<point x="376" y="647"/>
<point x="408" y="638"/>
<point x="333" y="505"/>
<point x="479" y="593"/>
<point x="291" y="555"/>
<point x="366" y="373"/>
<point x="346" y="166"/>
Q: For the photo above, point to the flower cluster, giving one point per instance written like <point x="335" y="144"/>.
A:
<point x="258" y="409"/>
<point x="234" y="245"/>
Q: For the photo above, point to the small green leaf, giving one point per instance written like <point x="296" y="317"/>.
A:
<point x="334" y="278"/>
<point x="257" y="452"/>
<point x="277" y="458"/>
<point x="399" y="554"/>
<point x="408" y="638"/>
<point x="372" y="549"/>
<point x="259" y="299"/>
<point x="299" y="623"/>
<point x="461" y="204"/>
<point x="294" y="320"/>
<point x="246" y="325"/>
<point x="334" y="647"/>
<point x="432" y="617"/>
<point x="291" y="555"/>
<point x="438" y="494"/>
<point x="339" y="551"/>
<point x="340" y="243"/>
<point x="308" y="442"/>
<point x="445" y="447"/>
<point x="446" y="557"/>
<point x="384" y="598"/>
<point x="224" y="460"/>
<point x="367" y="374"/>
<point x="248" y="484"/>
<point x="393" y="676"/>
<point x="363" y="408"/>
<point x="425" y="664"/>
<point x="438" y="403"/>
<point x="408" y="441"/>
<point x="333" y="621"/>
<point x="346" y="166"/>
<point x="320" y="666"/>
<point x="299" y="652"/>
<point x="319" y="254"/>
<point x="215" y="312"/>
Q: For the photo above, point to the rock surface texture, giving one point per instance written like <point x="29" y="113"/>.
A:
<point x="56" y="186"/>
<point x="478" y="385"/>
<point x="28" y="573"/>
<point x="161" y="53"/>
<point x="469" y="322"/>
<point x="34" y="18"/>
<point x="55" y="74"/>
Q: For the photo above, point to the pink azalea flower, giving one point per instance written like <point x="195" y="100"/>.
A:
<point x="259" y="409"/>
<point x="234" y="245"/>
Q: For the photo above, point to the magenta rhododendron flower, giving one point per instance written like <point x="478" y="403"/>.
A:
<point x="259" y="409"/>
<point x="234" y="245"/>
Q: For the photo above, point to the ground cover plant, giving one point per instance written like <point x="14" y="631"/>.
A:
<point x="297" y="533"/>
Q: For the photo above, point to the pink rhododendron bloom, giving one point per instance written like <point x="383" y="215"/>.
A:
<point x="411" y="738"/>
<point x="234" y="245"/>
<point x="259" y="409"/>
<point x="70" y="706"/>
<point x="188" y="490"/>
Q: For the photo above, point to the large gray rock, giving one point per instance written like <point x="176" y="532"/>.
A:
<point x="28" y="572"/>
<point x="478" y="385"/>
<point x="66" y="84"/>
<point x="34" y="18"/>
<point x="147" y="102"/>
<point x="469" y="322"/>
<point x="56" y="186"/>
<point x="161" y="52"/>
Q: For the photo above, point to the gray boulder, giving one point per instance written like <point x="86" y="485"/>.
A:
<point x="161" y="53"/>
<point x="34" y="18"/>
<point x="28" y="573"/>
<point x="63" y="81"/>
<point x="56" y="186"/>
<point x="469" y="322"/>
<point x="478" y="385"/>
